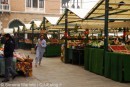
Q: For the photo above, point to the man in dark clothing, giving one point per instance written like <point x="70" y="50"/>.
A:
<point x="8" y="57"/>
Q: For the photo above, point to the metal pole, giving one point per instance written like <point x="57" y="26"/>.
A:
<point x="32" y="33"/>
<point x="44" y="23"/>
<point x="44" y="27"/>
<point x="18" y="36"/>
<point x="24" y="33"/>
<point x="66" y="32"/>
<point x="18" y="32"/>
<point x="106" y="25"/>
<point x="59" y="34"/>
<point x="106" y="30"/>
<point x="24" y="36"/>
<point x="124" y="34"/>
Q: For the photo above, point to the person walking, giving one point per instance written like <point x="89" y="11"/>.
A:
<point x="8" y="57"/>
<point x="40" y="49"/>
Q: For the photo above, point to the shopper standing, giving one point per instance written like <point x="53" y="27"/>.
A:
<point x="40" y="49"/>
<point x="8" y="57"/>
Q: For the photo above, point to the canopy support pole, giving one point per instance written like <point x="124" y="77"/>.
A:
<point x="106" y="29"/>
<point x="106" y="25"/>
<point x="32" y="33"/>
<point x="66" y="33"/>
<point x="44" y="23"/>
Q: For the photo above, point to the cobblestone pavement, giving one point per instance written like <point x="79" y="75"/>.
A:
<point x="54" y="73"/>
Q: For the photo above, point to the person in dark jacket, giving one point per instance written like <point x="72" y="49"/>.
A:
<point x="8" y="57"/>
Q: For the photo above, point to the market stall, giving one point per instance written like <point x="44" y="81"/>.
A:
<point x="76" y="56"/>
<point x="53" y="50"/>
<point x="97" y="47"/>
<point x="53" y="39"/>
<point x="21" y="63"/>
<point x="114" y="58"/>
<point x="93" y="58"/>
<point x="117" y="66"/>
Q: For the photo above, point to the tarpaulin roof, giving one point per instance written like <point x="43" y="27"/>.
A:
<point x="94" y="16"/>
<point x="118" y="9"/>
<point x="75" y="15"/>
<point x="119" y="14"/>
<point x="53" y="20"/>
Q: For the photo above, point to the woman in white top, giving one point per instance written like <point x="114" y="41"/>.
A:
<point x="41" y="45"/>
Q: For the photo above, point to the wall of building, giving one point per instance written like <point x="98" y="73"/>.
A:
<point x="52" y="6"/>
<point x="17" y="5"/>
<point x="18" y="12"/>
<point x="24" y="18"/>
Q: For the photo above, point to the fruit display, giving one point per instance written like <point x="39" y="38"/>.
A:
<point x="119" y="49"/>
<point x="96" y="43"/>
<point x="24" y="63"/>
<point x="25" y="67"/>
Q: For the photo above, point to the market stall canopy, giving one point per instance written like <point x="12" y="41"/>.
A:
<point x="119" y="24"/>
<point x="118" y="10"/>
<point x="81" y="13"/>
<point x="15" y="29"/>
<point x="75" y="16"/>
<point x="38" y="23"/>
<point x="119" y="14"/>
<point x="21" y="28"/>
<point x="111" y="25"/>
<point x="78" y="14"/>
<point x="53" y="20"/>
<point x="92" y="26"/>
<point x="62" y="26"/>
<point x="30" y="31"/>
<point x="28" y="26"/>
<point x="8" y="30"/>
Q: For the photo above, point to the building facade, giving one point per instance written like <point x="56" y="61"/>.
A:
<point x="19" y="12"/>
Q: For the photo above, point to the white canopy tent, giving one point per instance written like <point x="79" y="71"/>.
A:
<point x="28" y="26"/>
<point x="8" y="30"/>
<point x="53" y="20"/>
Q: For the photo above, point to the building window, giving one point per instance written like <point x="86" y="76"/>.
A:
<point x="4" y="1"/>
<point x="28" y="3"/>
<point x="35" y="3"/>
<point x="41" y="3"/>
